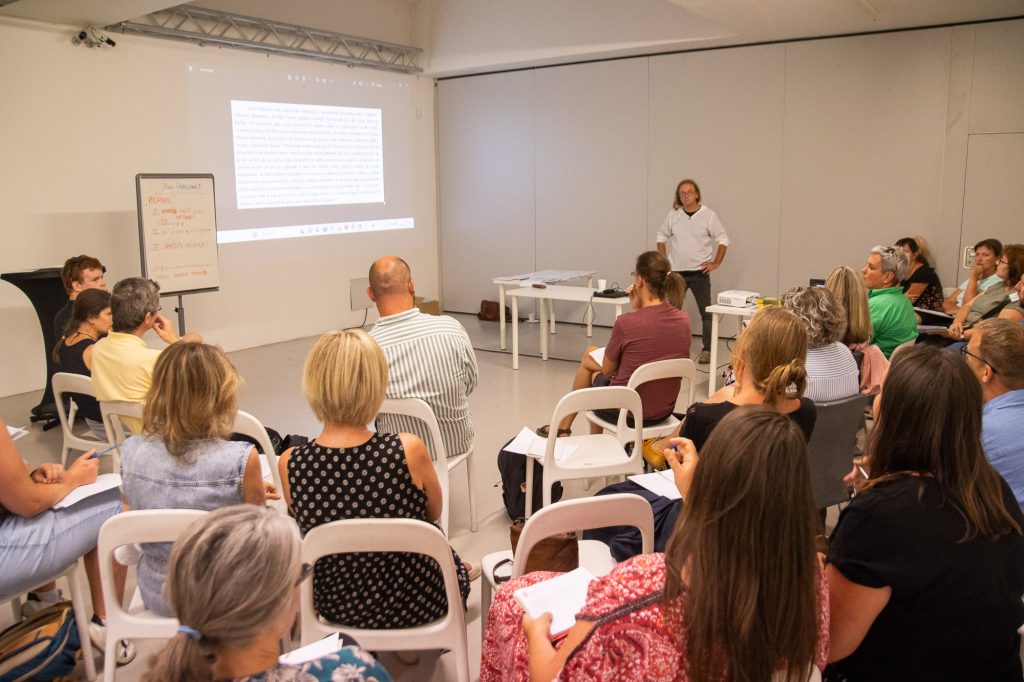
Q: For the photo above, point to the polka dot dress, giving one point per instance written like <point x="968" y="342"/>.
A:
<point x="372" y="480"/>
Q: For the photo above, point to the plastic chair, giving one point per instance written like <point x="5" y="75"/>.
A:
<point x="467" y="458"/>
<point x="833" y="446"/>
<point x="115" y="412"/>
<point x="389" y="535"/>
<point x="596" y="455"/>
<point x="418" y="409"/>
<point x="66" y="382"/>
<point x="136" y="622"/>
<point x="568" y="517"/>
<point x="75" y="573"/>
<point x="681" y="368"/>
<point x="248" y="425"/>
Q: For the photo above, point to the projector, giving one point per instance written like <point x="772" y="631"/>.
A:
<point x="738" y="298"/>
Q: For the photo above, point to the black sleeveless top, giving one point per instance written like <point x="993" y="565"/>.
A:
<point x="372" y="480"/>
<point x="72" y="360"/>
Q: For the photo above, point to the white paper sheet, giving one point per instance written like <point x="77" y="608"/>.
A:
<point x="660" y="482"/>
<point x="598" y="355"/>
<point x="16" y="432"/>
<point x="103" y="483"/>
<point x="528" y="443"/>
<point x="324" y="647"/>
<point x="562" y="596"/>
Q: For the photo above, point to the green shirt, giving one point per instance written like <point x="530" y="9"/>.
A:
<point x="892" y="318"/>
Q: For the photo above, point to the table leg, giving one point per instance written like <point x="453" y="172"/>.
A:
<point x="551" y="314"/>
<point x="713" y="373"/>
<point x="515" y="332"/>
<point x="590" y="309"/>
<point x="544" y="304"/>
<point x="501" y="314"/>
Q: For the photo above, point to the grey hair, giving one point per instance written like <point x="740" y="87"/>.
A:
<point x="823" y="314"/>
<point x="230" y="576"/>
<point x="894" y="261"/>
<point x="131" y="300"/>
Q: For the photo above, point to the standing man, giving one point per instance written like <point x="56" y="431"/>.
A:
<point x="429" y="357"/>
<point x="691" y="232"/>
<point x="893" y="320"/>
<point x="78" y="274"/>
<point x="995" y="354"/>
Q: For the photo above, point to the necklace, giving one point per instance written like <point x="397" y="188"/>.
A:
<point x="90" y="336"/>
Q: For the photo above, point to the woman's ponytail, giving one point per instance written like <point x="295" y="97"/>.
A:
<point x="183" y="659"/>
<point x="785" y="381"/>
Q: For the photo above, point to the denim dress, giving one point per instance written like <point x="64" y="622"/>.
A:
<point x="151" y="478"/>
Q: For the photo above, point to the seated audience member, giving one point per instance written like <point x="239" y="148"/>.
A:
<point x="232" y="581"/>
<point x="992" y="301"/>
<point x="921" y="285"/>
<point x="737" y="595"/>
<point x="769" y="365"/>
<point x="122" y="363"/>
<point x="350" y="472"/>
<point x="90" y="321"/>
<point x="37" y="541"/>
<point x="80" y="273"/>
<point x="982" y="276"/>
<point x="183" y="460"/>
<point x="832" y="373"/>
<point x="656" y="329"/>
<point x="848" y="288"/>
<point x="995" y="354"/>
<point x="1014" y="311"/>
<point x="429" y="357"/>
<point x="926" y="564"/>
<point x="892" y="317"/>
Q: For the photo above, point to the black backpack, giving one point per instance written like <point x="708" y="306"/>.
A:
<point x="512" y="467"/>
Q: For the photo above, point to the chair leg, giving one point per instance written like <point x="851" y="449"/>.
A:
<point x="78" y="603"/>
<point x="470" y="483"/>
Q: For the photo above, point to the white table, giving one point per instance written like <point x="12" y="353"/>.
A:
<point x="555" y="293"/>
<point x="530" y="278"/>
<point x="716" y="315"/>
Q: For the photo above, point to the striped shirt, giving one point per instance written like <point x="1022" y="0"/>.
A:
<point x="832" y="373"/>
<point x="429" y="357"/>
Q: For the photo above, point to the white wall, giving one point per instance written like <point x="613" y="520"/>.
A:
<point x="79" y="124"/>
<point x="811" y="153"/>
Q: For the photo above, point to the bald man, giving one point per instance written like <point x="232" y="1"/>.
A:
<point x="429" y="357"/>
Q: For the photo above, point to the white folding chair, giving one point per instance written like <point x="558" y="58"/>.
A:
<point x="248" y="425"/>
<point x="75" y="573"/>
<point x="115" y="412"/>
<point x="136" y="622"/>
<point x="389" y="535"/>
<point x="418" y="409"/>
<point x="678" y="368"/>
<point x="455" y="461"/>
<point x="570" y="516"/>
<point x="595" y="455"/>
<point x="66" y="382"/>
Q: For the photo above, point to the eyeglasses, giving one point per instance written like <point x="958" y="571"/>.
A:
<point x="1002" y="261"/>
<point x="964" y="352"/>
<point x="304" y="572"/>
<point x="888" y="249"/>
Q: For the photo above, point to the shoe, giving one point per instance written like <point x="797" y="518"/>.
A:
<point x="704" y="357"/>
<point x="545" y="431"/>
<point x="124" y="652"/>
<point x="473" y="570"/>
<point x="33" y="604"/>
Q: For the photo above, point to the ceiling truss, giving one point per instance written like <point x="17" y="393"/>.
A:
<point x="210" y="27"/>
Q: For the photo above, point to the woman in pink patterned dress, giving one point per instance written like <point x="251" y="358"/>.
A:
<point x="737" y="595"/>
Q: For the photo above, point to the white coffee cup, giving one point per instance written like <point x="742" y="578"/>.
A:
<point x="602" y="284"/>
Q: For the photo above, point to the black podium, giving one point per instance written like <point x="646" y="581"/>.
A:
<point x="46" y="292"/>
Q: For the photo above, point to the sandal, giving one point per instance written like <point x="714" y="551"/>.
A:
<point x="545" y="431"/>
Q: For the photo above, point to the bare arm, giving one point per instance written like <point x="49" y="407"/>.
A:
<point x="854" y="609"/>
<point x="282" y="469"/>
<point x="915" y="290"/>
<point x="25" y="494"/>
<point x="87" y="357"/>
<point x="972" y="289"/>
<point x="252" y="480"/>
<point x="661" y="248"/>
<point x="546" y="662"/>
<point x="949" y="305"/>
<point x="422" y="471"/>
<point x="711" y="266"/>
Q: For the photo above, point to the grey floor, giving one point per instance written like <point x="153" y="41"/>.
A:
<point x="504" y="402"/>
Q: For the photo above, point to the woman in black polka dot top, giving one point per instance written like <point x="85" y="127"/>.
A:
<point x="349" y="472"/>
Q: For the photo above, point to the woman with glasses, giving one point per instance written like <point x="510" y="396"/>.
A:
<point x="992" y="301"/>
<point x="233" y="581"/>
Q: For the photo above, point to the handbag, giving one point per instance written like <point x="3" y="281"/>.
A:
<point x="559" y="553"/>
<point x="44" y="647"/>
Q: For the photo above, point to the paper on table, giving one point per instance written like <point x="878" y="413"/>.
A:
<point x="16" y="432"/>
<point x="562" y="596"/>
<point x="660" y="482"/>
<point x="598" y="355"/>
<point x="530" y="444"/>
<point x="311" y="652"/>
<point x="104" y="482"/>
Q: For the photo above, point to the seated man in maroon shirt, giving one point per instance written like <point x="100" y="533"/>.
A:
<point x="655" y="330"/>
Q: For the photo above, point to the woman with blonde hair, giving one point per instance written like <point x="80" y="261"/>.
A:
<point x="848" y="288"/>
<point x="351" y="472"/>
<point x="769" y="364"/>
<point x="183" y="459"/>
<point x="231" y="628"/>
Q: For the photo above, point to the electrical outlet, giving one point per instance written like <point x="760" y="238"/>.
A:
<point x="357" y="294"/>
<point x="968" y="258"/>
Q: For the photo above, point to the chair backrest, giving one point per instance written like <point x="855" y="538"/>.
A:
<point x="248" y="425"/>
<point x="68" y="382"/>
<point x="622" y="398"/>
<point x="419" y="409"/>
<point x="681" y="368"/>
<point x="389" y="535"/>
<point x="114" y="414"/>
<point x="833" y="446"/>
<point x="569" y="516"/>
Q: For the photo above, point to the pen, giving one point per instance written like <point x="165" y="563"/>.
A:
<point x="862" y="472"/>
<point x="103" y="452"/>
